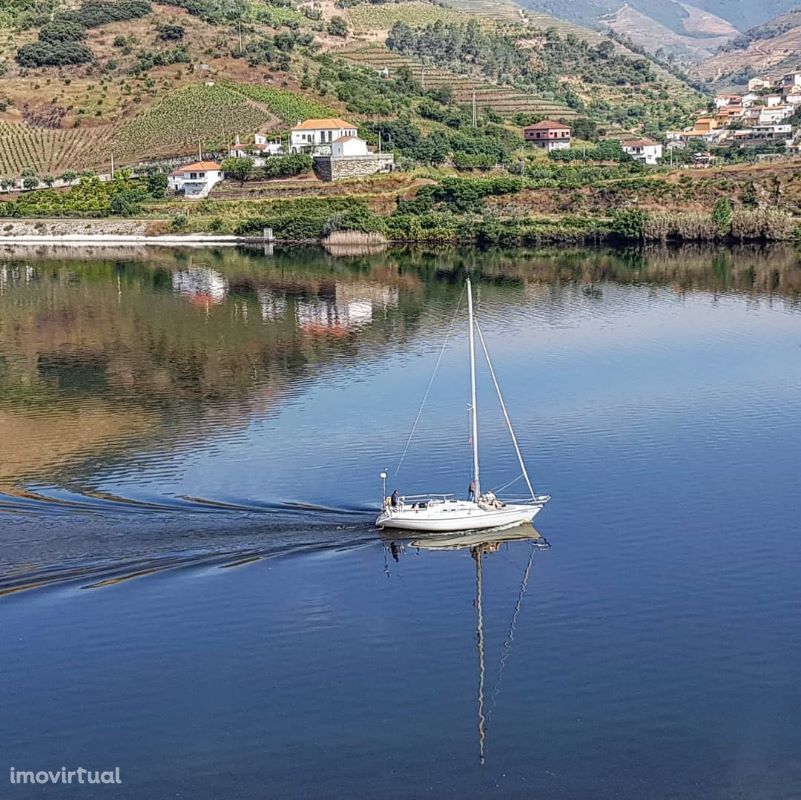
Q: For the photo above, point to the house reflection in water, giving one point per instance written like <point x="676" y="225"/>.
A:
<point x="351" y="307"/>
<point x="202" y="285"/>
<point x="272" y="305"/>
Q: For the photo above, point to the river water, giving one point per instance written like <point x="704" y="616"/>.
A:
<point x="193" y="590"/>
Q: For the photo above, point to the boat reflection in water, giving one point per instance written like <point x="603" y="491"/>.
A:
<point x="479" y="544"/>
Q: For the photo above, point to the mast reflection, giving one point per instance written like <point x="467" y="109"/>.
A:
<point x="479" y="544"/>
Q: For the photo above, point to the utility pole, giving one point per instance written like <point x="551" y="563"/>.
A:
<point x="422" y="77"/>
<point x="475" y="119"/>
<point x="112" y="166"/>
<point x="199" y="150"/>
<point x="241" y="46"/>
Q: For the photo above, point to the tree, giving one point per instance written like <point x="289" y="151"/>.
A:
<point x="157" y="185"/>
<point x="170" y="32"/>
<point x="125" y="203"/>
<point x="338" y="27"/>
<point x="748" y="195"/>
<point x="722" y="215"/>
<point x="630" y="224"/>
<point x="238" y="168"/>
<point x="30" y="182"/>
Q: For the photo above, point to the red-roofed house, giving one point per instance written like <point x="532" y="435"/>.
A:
<point x="548" y="135"/>
<point x="195" y="180"/>
<point x="311" y="134"/>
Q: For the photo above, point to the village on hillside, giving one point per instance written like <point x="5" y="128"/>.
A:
<point x="760" y="121"/>
<point x="765" y="118"/>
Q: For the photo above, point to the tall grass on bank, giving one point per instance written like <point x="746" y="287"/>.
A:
<point x="689" y="227"/>
<point x="744" y="224"/>
<point x="764" y="223"/>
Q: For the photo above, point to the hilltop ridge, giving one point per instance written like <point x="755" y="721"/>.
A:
<point x="768" y="49"/>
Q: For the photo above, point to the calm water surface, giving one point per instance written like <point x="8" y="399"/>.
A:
<point x="190" y="444"/>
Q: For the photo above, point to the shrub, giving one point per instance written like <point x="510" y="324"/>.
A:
<point x="629" y="224"/>
<point x="179" y="222"/>
<point x="94" y="13"/>
<point x="722" y="215"/>
<point x="170" y="32"/>
<point x="46" y="54"/>
<point x="286" y="166"/>
<point x="338" y="27"/>
<point x="238" y="168"/>
<point x="64" y="31"/>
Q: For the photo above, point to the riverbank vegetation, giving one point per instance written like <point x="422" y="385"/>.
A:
<point x="554" y="201"/>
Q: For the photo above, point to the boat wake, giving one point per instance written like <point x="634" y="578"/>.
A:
<point x="104" y="574"/>
<point x="53" y="500"/>
<point x="102" y="539"/>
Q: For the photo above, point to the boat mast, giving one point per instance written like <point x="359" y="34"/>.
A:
<point x="473" y="405"/>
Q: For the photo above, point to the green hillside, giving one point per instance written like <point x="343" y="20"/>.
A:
<point x="82" y="80"/>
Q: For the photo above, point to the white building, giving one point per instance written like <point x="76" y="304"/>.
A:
<point x="645" y="150"/>
<point x="723" y="100"/>
<point x="318" y="135"/>
<point x="195" y="180"/>
<point x="773" y="100"/>
<point x="348" y="146"/>
<point x="791" y="79"/>
<point x="258" y="152"/>
<point x="266" y="144"/>
<point x="238" y="150"/>
<point x="764" y="134"/>
<point x="755" y="84"/>
<point x="775" y="114"/>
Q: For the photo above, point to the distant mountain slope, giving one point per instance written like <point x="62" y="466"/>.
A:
<point x="739" y="13"/>
<point x="688" y="30"/>
<point x="696" y="36"/>
<point x="768" y="49"/>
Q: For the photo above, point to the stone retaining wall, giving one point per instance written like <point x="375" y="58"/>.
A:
<point x="332" y="168"/>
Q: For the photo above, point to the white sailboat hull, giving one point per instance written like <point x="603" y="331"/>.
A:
<point x="452" y="516"/>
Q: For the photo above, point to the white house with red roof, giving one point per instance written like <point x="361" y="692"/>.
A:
<point x="196" y="180"/>
<point x="548" y="135"/>
<point x="319" y="134"/>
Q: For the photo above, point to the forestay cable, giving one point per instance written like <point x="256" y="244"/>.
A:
<point x="505" y="412"/>
<point x="430" y="383"/>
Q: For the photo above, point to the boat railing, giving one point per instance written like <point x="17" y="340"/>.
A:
<point x="428" y="496"/>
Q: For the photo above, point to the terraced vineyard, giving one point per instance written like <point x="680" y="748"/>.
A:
<point x="501" y="10"/>
<point x="504" y="100"/>
<point x="288" y="106"/>
<point x="52" y="152"/>
<point x="211" y="115"/>
<point x="174" y="125"/>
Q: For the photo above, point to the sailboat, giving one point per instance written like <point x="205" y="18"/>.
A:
<point x="444" y="513"/>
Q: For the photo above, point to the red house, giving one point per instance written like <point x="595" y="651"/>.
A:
<point x="548" y="135"/>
